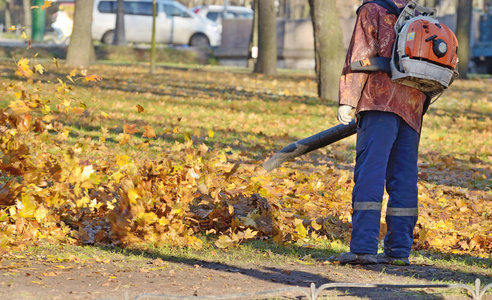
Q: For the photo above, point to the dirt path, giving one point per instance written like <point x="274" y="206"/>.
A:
<point x="118" y="277"/>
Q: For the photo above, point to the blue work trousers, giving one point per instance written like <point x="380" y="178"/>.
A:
<point x="387" y="153"/>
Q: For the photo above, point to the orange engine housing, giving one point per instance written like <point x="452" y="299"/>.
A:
<point x="424" y="41"/>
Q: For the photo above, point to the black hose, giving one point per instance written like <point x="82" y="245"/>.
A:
<point x="309" y="144"/>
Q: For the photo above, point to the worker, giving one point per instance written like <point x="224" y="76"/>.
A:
<point x="389" y="117"/>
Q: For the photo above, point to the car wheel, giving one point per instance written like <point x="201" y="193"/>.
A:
<point x="199" y="40"/>
<point x="108" y="38"/>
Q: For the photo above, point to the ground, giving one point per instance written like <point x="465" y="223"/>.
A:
<point x="125" y="276"/>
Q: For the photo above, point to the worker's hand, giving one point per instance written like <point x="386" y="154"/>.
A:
<point x="343" y="114"/>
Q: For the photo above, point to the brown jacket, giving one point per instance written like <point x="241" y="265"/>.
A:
<point x="374" y="36"/>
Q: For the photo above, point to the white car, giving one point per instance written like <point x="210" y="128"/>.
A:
<point x="175" y="24"/>
<point x="218" y="12"/>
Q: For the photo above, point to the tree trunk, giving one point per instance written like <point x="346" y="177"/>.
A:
<point x="26" y="5"/>
<point x="152" y="49"/>
<point x="253" y="41"/>
<point x="38" y="21"/>
<point x="464" y="14"/>
<point x="119" y="29"/>
<point x="267" y="38"/>
<point x="81" y="48"/>
<point x="328" y="47"/>
<point x="8" y="14"/>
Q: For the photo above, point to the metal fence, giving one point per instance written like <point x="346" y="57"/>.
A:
<point x="313" y="293"/>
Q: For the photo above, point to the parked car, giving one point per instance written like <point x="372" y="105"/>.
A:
<point x="175" y="24"/>
<point x="218" y="12"/>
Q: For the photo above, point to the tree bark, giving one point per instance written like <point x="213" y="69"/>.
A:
<point x="267" y="38"/>
<point x="26" y="5"/>
<point x="8" y="14"/>
<point x="119" y="29"/>
<point x="253" y="41"/>
<point x="328" y="47"/>
<point x="153" y="46"/>
<point x="81" y="48"/>
<point x="464" y="15"/>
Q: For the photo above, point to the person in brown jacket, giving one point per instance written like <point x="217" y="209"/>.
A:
<point x="389" y="117"/>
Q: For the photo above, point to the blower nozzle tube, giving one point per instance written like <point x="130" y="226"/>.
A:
<point x="309" y="144"/>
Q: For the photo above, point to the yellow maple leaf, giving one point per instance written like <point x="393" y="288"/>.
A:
<point x="19" y="107"/>
<point x="39" y="68"/>
<point x="47" y="3"/>
<point x="133" y="196"/>
<point x="23" y="68"/>
<point x="26" y="207"/>
<point x="86" y="173"/>
<point x="83" y="202"/>
<point x="12" y="28"/>
<point x="301" y="230"/>
<point x="77" y="110"/>
<point x="142" y="145"/>
<point x="249" y="234"/>
<point x="125" y="138"/>
<point x="315" y="225"/>
<point x="23" y="35"/>
<point x="122" y="160"/>
<point x="224" y="242"/>
<point x="247" y="221"/>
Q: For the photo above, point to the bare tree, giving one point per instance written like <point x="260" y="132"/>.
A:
<point x="26" y="5"/>
<point x="8" y="13"/>
<point x="328" y="47"/>
<point x="253" y="41"/>
<point x="81" y="48"/>
<point x="119" y="30"/>
<point x="464" y="15"/>
<point x="152" y="49"/>
<point x="267" y="38"/>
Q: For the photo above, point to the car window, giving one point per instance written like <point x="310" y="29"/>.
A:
<point x="138" y="8"/>
<point x="107" y="7"/>
<point x="212" y="16"/>
<point x="131" y="8"/>
<point x="173" y="11"/>
<point x="228" y="15"/>
<point x="243" y="15"/>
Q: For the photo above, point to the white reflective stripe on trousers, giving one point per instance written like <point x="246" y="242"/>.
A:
<point x="402" y="212"/>
<point x="367" y="206"/>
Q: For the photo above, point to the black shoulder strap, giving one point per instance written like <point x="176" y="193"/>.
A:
<point x="388" y="4"/>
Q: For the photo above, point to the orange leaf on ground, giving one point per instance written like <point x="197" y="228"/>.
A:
<point x="92" y="78"/>
<point x="149" y="132"/>
<point x="130" y="129"/>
